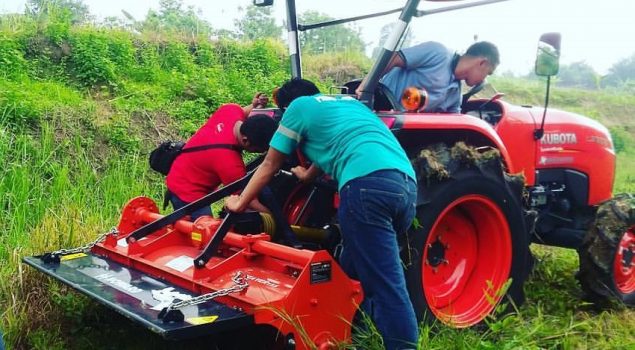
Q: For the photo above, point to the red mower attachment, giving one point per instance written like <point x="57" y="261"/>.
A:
<point x="188" y="279"/>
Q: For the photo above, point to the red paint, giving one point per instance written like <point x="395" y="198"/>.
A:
<point x="592" y="152"/>
<point x="477" y="260"/>
<point x="279" y="277"/>
<point x="624" y="263"/>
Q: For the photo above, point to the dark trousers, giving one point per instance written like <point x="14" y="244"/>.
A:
<point x="178" y="203"/>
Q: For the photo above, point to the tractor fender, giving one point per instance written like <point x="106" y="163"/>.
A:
<point x="416" y="130"/>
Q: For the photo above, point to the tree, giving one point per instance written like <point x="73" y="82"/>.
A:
<point x="578" y="74"/>
<point x="257" y="22"/>
<point x="621" y="74"/>
<point x="76" y="9"/>
<point x="171" y="17"/>
<point x="329" y="39"/>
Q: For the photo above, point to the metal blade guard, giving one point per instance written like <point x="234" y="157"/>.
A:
<point x="190" y="279"/>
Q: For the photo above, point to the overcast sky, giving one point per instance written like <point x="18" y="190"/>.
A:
<point x="597" y="32"/>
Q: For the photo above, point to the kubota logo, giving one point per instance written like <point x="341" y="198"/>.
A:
<point x="559" y="138"/>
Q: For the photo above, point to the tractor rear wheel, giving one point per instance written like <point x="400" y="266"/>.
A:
<point x="607" y="254"/>
<point x="469" y="248"/>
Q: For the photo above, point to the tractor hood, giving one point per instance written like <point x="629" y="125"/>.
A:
<point x="562" y="127"/>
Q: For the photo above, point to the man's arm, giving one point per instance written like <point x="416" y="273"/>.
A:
<point x="396" y="60"/>
<point x="258" y="206"/>
<point x="260" y="100"/>
<point x="306" y="175"/>
<point x="270" y="165"/>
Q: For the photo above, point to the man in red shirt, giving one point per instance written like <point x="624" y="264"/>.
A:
<point x="196" y="174"/>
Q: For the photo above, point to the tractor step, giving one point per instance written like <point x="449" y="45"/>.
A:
<point x="140" y="297"/>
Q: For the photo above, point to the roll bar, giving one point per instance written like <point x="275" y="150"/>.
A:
<point x="376" y="72"/>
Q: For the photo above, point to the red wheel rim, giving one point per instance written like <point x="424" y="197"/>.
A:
<point x="295" y="203"/>
<point x="467" y="261"/>
<point x="624" y="263"/>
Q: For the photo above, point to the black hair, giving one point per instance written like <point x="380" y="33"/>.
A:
<point x="484" y="49"/>
<point x="259" y="130"/>
<point x="293" y="89"/>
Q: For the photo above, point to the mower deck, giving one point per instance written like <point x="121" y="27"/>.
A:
<point x="138" y="296"/>
<point x="184" y="279"/>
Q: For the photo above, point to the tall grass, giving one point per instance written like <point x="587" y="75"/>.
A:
<point x="73" y="136"/>
<point x="54" y="194"/>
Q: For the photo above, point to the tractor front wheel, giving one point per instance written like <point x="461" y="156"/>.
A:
<point x="607" y="254"/>
<point x="469" y="248"/>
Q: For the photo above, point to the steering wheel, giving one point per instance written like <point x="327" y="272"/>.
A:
<point x="473" y="91"/>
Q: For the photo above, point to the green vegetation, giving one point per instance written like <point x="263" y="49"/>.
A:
<point x="80" y="106"/>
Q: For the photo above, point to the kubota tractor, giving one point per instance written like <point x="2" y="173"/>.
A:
<point x="492" y="180"/>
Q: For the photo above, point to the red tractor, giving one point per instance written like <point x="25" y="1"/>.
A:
<point x="492" y="180"/>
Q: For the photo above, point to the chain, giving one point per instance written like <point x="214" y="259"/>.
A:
<point x="87" y="247"/>
<point x="240" y="283"/>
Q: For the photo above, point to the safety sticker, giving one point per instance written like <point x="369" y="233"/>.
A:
<point x="196" y="236"/>
<point x="72" y="256"/>
<point x="181" y="263"/>
<point x="201" y="320"/>
<point x="320" y="272"/>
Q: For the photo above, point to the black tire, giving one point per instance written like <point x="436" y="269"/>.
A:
<point x="460" y="188"/>
<point x="607" y="253"/>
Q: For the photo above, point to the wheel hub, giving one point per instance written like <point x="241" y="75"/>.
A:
<point x="436" y="253"/>
<point x="627" y="257"/>
<point x="624" y="264"/>
<point x="467" y="260"/>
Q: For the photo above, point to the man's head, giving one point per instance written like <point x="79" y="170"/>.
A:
<point x="256" y="132"/>
<point x="293" y="89"/>
<point x="479" y="61"/>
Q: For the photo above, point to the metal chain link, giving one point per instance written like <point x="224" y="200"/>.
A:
<point x="87" y="247"/>
<point x="240" y="283"/>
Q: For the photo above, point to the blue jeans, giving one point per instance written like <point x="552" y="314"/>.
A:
<point x="178" y="203"/>
<point x="373" y="210"/>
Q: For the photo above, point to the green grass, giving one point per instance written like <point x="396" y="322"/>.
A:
<point x="72" y="156"/>
<point x="55" y="194"/>
<point x="625" y="172"/>
<point x="60" y="194"/>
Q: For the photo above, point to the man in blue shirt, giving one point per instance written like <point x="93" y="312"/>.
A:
<point x="377" y="189"/>
<point x="437" y="69"/>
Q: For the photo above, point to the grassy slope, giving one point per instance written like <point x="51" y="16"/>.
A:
<point x="62" y="184"/>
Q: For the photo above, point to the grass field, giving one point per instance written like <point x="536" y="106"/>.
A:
<point x="58" y="195"/>
<point x="65" y="178"/>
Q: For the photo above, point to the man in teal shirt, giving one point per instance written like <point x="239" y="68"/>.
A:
<point x="377" y="188"/>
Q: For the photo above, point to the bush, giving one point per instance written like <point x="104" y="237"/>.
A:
<point x="622" y="139"/>
<point x="337" y="67"/>
<point x="90" y="58"/>
<point x="118" y="133"/>
<point x="12" y="62"/>
<point x="175" y="57"/>
<point x="121" y="50"/>
<point x="204" y="55"/>
<point x="148" y="66"/>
